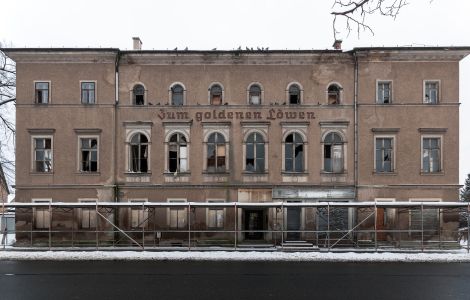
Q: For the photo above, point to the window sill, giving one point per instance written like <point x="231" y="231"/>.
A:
<point x="249" y="173"/>
<point x="215" y="173"/>
<point x="171" y="174"/>
<point x="88" y="173"/>
<point x="41" y="173"/>
<point x="393" y="173"/>
<point x="286" y="173"/>
<point x="333" y="173"/>
<point x="441" y="173"/>
<point x="138" y="173"/>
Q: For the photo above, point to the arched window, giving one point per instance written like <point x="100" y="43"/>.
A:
<point x="177" y="95"/>
<point x="138" y="154"/>
<point x="138" y="95"/>
<point x="216" y="94"/>
<point x="177" y="153"/>
<point x="333" y="153"/>
<point x="255" y="154"/>
<point x="216" y="153"/>
<point x="294" y="94"/>
<point x="334" y="93"/>
<point x="254" y="94"/>
<point x="294" y="153"/>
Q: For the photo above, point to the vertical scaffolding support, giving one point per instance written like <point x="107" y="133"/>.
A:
<point x="236" y="223"/>
<point x="439" y="226"/>
<point x="328" y="226"/>
<point x="468" y="227"/>
<point x="282" y="225"/>
<point x="96" y="227"/>
<point x="422" y="227"/>
<point x="188" y="214"/>
<point x="143" y="225"/>
<point x="375" y="227"/>
<point x="50" y="226"/>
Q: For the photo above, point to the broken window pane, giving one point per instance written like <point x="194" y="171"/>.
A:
<point x="431" y="92"/>
<point x="293" y="153"/>
<point x="42" y="92"/>
<point x="294" y="94"/>
<point x="216" y="152"/>
<point x="431" y="155"/>
<point x="42" y="155"/>
<point x="333" y="153"/>
<point x="138" y="153"/>
<point x="384" y="92"/>
<point x="138" y="94"/>
<point x="383" y="155"/>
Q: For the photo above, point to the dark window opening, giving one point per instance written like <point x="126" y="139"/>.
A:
<point x="334" y="94"/>
<point x="139" y="94"/>
<point x="177" y="95"/>
<point x="216" y="94"/>
<point x="294" y="94"/>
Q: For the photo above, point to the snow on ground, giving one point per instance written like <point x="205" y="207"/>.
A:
<point x="456" y="256"/>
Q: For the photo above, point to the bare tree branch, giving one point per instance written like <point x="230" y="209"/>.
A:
<point x="356" y="12"/>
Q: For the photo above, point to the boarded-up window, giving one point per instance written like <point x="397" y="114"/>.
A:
<point x="42" y="216"/>
<point x="178" y="215"/>
<point x="429" y="222"/>
<point x="88" y="216"/>
<point x="216" y="94"/>
<point x="139" y="216"/>
<point x="215" y="217"/>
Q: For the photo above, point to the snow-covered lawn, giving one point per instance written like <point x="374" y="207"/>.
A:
<point x="457" y="256"/>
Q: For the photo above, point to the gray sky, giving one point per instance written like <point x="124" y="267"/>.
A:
<point x="206" y="24"/>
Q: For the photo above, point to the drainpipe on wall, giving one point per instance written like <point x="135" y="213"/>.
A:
<point x="356" y="129"/>
<point x="115" y="126"/>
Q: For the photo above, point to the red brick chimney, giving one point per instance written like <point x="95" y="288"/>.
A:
<point x="337" y="44"/>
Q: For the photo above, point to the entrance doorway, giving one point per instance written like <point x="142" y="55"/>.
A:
<point x="254" y="224"/>
<point x="293" y="223"/>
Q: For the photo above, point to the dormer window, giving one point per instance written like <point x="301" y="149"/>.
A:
<point x="216" y="94"/>
<point x="138" y="95"/>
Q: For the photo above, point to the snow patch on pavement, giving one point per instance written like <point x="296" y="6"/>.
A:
<point x="236" y="256"/>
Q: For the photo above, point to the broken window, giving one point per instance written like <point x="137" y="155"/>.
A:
<point x="177" y="95"/>
<point x="334" y="94"/>
<point x="177" y="153"/>
<point x="294" y="153"/>
<point x="178" y="215"/>
<point x="138" y="153"/>
<point x="88" y="92"/>
<point x="42" y="155"/>
<point x="255" y="155"/>
<point x="431" y="155"/>
<point x="216" y="149"/>
<point x="255" y="94"/>
<point x="89" y="154"/>
<point x="138" y="95"/>
<point x="88" y="215"/>
<point x="216" y="94"/>
<point x="139" y="215"/>
<point x="383" y="155"/>
<point x="294" y="94"/>
<point x="431" y="92"/>
<point x="333" y="153"/>
<point x="384" y="94"/>
<point x="41" y="92"/>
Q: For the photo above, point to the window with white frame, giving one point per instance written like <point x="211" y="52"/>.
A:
<point x="178" y="215"/>
<point x="139" y="214"/>
<point x="215" y="216"/>
<point x="88" y="154"/>
<point x="384" y="92"/>
<point x="42" y="154"/>
<point x="88" y="215"/>
<point x="384" y="154"/>
<point x="41" y="92"/>
<point x="138" y="153"/>
<point x="255" y="153"/>
<point x="431" y="154"/>
<point x="333" y="156"/>
<point x="254" y="94"/>
<point x="431" y="92"/>
<point x="177" y="153"/>
<point x="138" y="95"/>
<point x="88" y="92"/>
<point x="294" y="153"/>
<point x="216" y="153"/>
<point x="42" y="215"/>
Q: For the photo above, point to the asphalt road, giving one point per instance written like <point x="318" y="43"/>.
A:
<point x="232" y="280"/>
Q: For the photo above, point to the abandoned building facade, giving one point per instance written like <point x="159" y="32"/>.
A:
<point x="106" y="125"/>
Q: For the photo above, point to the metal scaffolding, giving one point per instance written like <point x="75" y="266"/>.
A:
<point x="321" y="226"/>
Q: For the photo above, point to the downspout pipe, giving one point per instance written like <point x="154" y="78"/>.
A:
<point x="356" y="129"/>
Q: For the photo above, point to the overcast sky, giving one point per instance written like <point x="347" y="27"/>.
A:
<point x="208" y="24"/>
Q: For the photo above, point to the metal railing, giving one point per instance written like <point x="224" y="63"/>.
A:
<point x="322" y="226"/>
